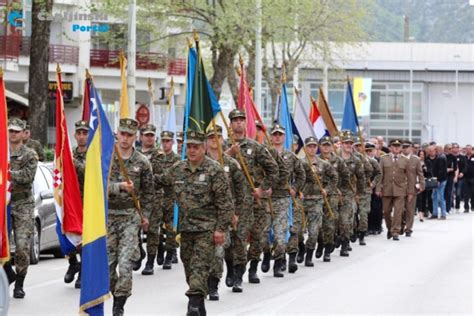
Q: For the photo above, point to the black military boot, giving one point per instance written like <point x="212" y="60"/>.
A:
<point x="319" y="250"/>
<point x="18" y="290"/>
<point x="266" y="262"/>
<point x="74" y="267"/>
<point x="213" y="284"/>
<point x="338" y="241"/>
<point x="194" y="305"/>
<point x="150" y="262"/>
<point x="301" y="252"/>
<point x="119" y="303"/>
<point x="174" y="259"/>
<point x="308" y="262"/>
<point x="202" y="307"/>
<point x="349" y="248"/>
<point x="344" y="251"/>
<point x="353" y="237"/>
<point x="253" y="278"/>
<point x="77" y="284"/>
<point x="292" y="266"/>
<point x="361" y="239"/>
<point x="229" y="278"/>
<point x="238" y="274"/>
<point x="283" y="263"/>
<point x="11" y="275"/>
<point x="277" y="272"/>
<point x="160" y="257"/>
<point x="169" y="257"/>
<point x="327" y="253"/>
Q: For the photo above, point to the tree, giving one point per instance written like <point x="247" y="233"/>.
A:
<point x="38" y="70"/>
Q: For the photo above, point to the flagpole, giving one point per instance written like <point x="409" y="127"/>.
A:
<point x="219" y="148"/>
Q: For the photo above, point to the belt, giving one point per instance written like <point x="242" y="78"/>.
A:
<point x="121" y="206"/>
<point x="20" y="195"/>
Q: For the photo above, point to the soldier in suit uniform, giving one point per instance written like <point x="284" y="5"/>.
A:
<point x="415" y="172"/>
<point x="396" y="186"/>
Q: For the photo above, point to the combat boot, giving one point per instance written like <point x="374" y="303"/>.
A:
<point x="18" y="290"/>
<point x="266" y="262"/>
<point x="353" y="237"/>
<point x="160" y="257"/>
<point x="301" y="252"/>
<point x="167" y="265"/>
<point x="150" y="262"/>
<point x="11" y="275"/>
<point x="361" y="239"/>
<point x="349" y="248"/>
<point x="292" y="266"/>
<point x="77" y="284"/>
<point x="238" y="274"/>
<point x="338" y="242"/>
<point x="277" y="269"/>
<point x="319" y="250"/>
<point x="327" y="253"/>
<point x="73" y="268"/>
<point x="283" y="263"/>
<point x="253" y="278"/>
<point x="344" y="252"/>
<point x="174" y="259"/>
<point x="213" y="284"/>
<point x="194" y="305"/>
<point x="309" y="258"/>
<point x="202" y="307"/>
<point x="229" y="278"/>
<point x="119" y="303"/>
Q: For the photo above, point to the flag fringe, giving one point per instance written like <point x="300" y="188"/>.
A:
<point x="97" y="301"/>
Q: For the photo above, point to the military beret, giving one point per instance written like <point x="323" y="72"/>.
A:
<point x="195" y="137"/>
<point x="311" y="141"/>
<point x="128" y="125"/>
<point x="148" y="129"/>
<point x="16" y="124"/>
<point x="213" y="131"/>
<point x="276" y="128"/>
<point x="369" y="146"/>
<point x="179" y="136"/>
<point x="82" y="125"/>
<point x="395" y="142"/>
<point x="236" y="113"/>
<point x="167" y="135"/>
<point x="325" y="140"/>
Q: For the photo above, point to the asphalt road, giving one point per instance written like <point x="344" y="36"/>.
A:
<point x="430" y="273"/>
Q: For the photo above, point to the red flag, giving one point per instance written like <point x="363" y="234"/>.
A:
<point x="244" y="103"/>
<point x="67" y="195"/>
<point x="313" y="111"/>
<point x="86" y="111"/>
<point x="4" y="183"/>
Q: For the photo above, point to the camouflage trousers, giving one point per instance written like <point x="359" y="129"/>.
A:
<point x="364" y="209"/>
<point x="329" y="222"/>
<point x="23" y="226"/>
<point x="314" y="216"/>
<point x="278" y="222"/>
<point x="221" y="252"/>
<point x="239" y="239"/>
<point x="168" y="212"/>
<point x="346" y="216"/>
<point x="296" y="228"/>
<point x="257" y="230"/>
<point x="153" y="233"/>
<point x="122" y="250"/>
<point x="197" y="253"/>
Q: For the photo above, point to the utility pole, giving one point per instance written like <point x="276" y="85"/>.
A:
<point x="132" y="44"/>
<point x="258" y="59"/>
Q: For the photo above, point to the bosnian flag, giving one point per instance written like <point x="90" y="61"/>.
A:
<point x="317" y="121"/>
<point x="67" y="195"/>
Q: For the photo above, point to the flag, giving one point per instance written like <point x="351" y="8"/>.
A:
<point x="244" y="103"/>
<point x="86" y="111"/>
<point x="95" y="266"/>
<point x="284" y="118"/>
<point x="317" y="121"/>
<point x="362" y="91"/>
<point x="67" y="195"/>
<point x="349" y="117"/>
<point x="301" y="119"/>
<point x="204" y="105"/>
<point x="325" y="112"/>
<point x="152" y="104"/>
<point x="123" y="91"/>
<point x="261" y="136"/>
<point x="171" y="115"/>
<point x="190" y="70"/>
<point x="4" y="175"/>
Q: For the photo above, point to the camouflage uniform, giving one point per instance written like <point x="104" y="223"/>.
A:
<point x="36" y="146"/>
<point x="80" y="166"/>
<point x="123" y="220"/>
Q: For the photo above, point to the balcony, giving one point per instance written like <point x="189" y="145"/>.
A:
<point x="10" y="47"/>
<point x="61" y="54"/>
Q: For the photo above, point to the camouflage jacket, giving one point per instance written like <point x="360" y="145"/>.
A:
<point x="203" y="196"/>
<point x="149" y="153"/>
<point x="368" y="170"/>
<point x="160" y="163"/>
<point x="36" y="146"/>
<point x="80" y="165"/>
<point x="327" y="175"/>
<point x="141" y="174"/>
<point x="242" y="195"/>
<point x="376" y="175"/>
<point x="343" y="174"/>
<point x="291" y="167"/>
<point x="23" y="164"/>
<point x="357" y="182"/>
<point x="261" y="165"/>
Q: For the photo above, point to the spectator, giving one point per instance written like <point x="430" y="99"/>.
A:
<point x="440" y="171"/>
<point x="469" y="179"/>
<point x="459" y="175"/>
<point x="424" y="203"/>
<point x="452" y="167"/>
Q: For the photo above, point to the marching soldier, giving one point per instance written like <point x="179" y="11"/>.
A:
<point x="23" y="163"/>
<point x="148" y="140"/>
<point x="204" y="197"/>
<point x="313" y="195"/>
<point x="264" y="171"/>
<point x="123" y="222"/>
<point x="81" y="135"/>
<point x="394" y="187"/>
<point x="370" y="150"/>
<point x="236" y="252"/>
<point x="33" y="143"/>
<point x="179" y="141"/>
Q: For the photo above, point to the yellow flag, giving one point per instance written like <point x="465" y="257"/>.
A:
<point x="123" y="92"/>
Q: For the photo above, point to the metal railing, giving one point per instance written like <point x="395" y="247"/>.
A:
<point x="62" y="54"/>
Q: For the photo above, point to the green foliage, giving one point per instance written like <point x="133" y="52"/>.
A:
<point x="49" y="154"/>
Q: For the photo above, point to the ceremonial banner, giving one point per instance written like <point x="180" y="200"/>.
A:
<point x="362" y="91"/>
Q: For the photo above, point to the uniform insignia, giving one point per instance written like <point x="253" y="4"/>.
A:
<point x="179" y="182"/>
<point x="202" y="177"/>
<point x="285" y="157"/>
<point x="226" y="168"/>
<point x="136" y="169"/>
<point x="249" y="151"/>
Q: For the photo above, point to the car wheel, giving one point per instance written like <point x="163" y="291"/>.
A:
<point x="35" y="245"/>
